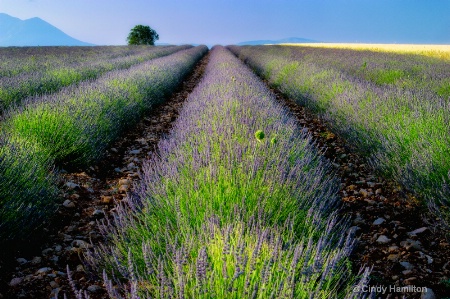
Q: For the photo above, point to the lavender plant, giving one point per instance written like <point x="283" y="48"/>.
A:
<point x="49" y="72"/>
<point x="222" y="214"/>
<point x="27" y="187"/>
<point x="74" y="126"/>
<point x="393" y="108"/>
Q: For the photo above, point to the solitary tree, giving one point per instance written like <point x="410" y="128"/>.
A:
<point x="142" y="35"/>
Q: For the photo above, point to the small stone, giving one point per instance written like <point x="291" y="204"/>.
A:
<point x="393" y="248"/>
<point x="44" y="270"/>
<point x="407" y="272"/>
<point x="113" y="149"/>
<point x="383" y="239"/>
<point x="131" y="166"/>
<point x="54" y="284"/>
<point x="80" y="268"/>
<point x="428" y="294"/>
<point x="363" y="192"/>
<point x="353" y="229"/>
<point x="47" y="251"/>
<point x="58" y="248"/>
<point x="369" y="201"/>
<point x="407" y="265"/>
<point x="417" y="231"/>
<point x="123" y="189"/>
<point x="124" y="182"/>
<point x="429" y="259"/>
<point x="94" y="288"/>
<point x="15" y="281"/>
<point x="378" y="191"/>
<point x="135" y="152"/>
<point x="411" y="244"/>
<point x="117" y="169"/>
<point x="393" y="257"/>
<point x="410" y="281"/>
<point x="74" y="196"/>
<point x="67" y="238"/>
<point x="395" y="277"/>
<point x="358" y="220"/>
<point x="98" y="213"/>
<point x="71" y="228"/>
<point x="371" y="184"/>
<point x="72" y="185"/>
<point x="81" y="244"/>
<point x="54" y="259"/>
<point x="379" y="221"/>
<point x="55" y="293"/>
<point x="36" y="260"/>
<point x="68" y="204"/>
<point x="351" y="187"/>
<point x="106" y="199"/>
<point x="21" y="261"/>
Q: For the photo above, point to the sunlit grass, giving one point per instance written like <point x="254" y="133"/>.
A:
<point x="437" y="51"/>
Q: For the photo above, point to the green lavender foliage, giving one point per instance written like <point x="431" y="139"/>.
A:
<point x="393" y="108"/>
<point x="222" y="214"/>
<point x="74" y="126"/>
<point x="28" y="72"/>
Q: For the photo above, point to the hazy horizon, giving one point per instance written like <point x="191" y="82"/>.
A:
<point x="104" y="22"/>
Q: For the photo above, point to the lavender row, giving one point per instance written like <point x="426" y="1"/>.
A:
<point x="17" y="60"/>
<point x="74" y="126"/>
<point x="236" y="203"/>
<point x="49" y="73"/>
<point x="402" y="131"/>
<point x="428" y="75"/>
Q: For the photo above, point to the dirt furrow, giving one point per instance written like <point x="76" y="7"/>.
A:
<point x="397" y="235"/>
<point x="39" y="271"/>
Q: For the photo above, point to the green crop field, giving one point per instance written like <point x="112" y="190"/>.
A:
<point x="236" y="198"/>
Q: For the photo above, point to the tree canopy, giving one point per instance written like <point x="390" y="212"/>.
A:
<point x="142" y="35"/>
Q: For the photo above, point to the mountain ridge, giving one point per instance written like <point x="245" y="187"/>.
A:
<point x="278" y="41"/>
<point x="33" y="32"/>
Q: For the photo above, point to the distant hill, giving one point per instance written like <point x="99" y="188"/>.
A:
<point x="279" y="41"/>
<point x="33" y="32"/>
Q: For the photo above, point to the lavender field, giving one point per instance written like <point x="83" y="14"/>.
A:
<point x="394" y="108"/>
<point x="236" y="199"/>
<point x="236" y="204"/>
<point x="26" y="72"/>
<point x="74" y="126"/>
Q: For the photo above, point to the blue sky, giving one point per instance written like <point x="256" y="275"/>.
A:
<point x="107" y="22"/>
